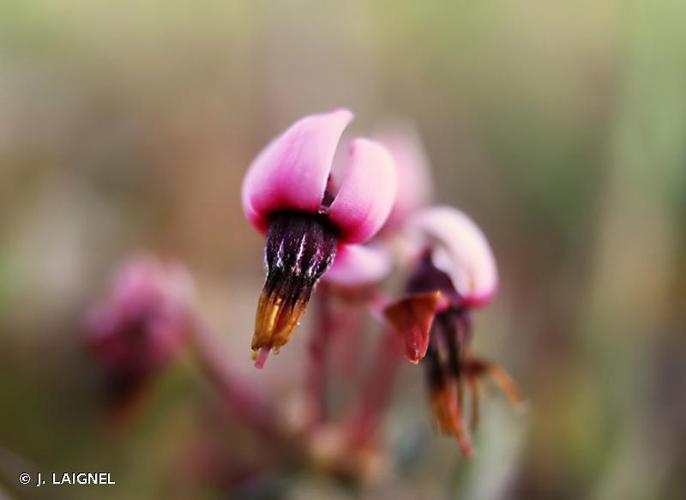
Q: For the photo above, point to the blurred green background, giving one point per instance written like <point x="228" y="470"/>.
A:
<point x="559" y="126"/>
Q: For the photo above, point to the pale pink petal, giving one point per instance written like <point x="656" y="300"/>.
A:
<point x="292" y="171"/>
<point x="357" y="266"/>
<point x="415" y="187"/>
<point x="461" y="250"/>
<point x="367" y="191"/>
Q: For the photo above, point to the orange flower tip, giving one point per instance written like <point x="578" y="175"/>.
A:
<point x="275" y="321"/>
<point x="412" y="318"/>
<point x="414" y="352"/>
<point x="415" y="357"/>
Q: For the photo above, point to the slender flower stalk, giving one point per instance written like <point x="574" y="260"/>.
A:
<point x="347" y="338"/>
<point x="244" y="400"/>
<point x="377" y="390"/>
<point x="317" y="362"/>
<point x="355" y="279"/>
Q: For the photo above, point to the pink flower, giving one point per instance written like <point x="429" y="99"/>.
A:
<point x="454" y="268"/>
<point x="455" y="271"/>
<point x="140" y="326"/>
<point x="308" y="215"/>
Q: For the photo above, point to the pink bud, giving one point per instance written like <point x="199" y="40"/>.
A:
<point x="415" y="187"/>
<point x="142" y="322"/>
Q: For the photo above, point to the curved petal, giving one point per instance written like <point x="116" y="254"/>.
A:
<point x="367" y="192"/>
<point x="415" y="186"/>
<point x="358" y="266"/>
<point x="292" y="171"/>
<point x="461" y="250"/>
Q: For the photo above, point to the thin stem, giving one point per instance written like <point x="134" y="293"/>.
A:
<point x="376" y="393"/>
<point x="347" y="341"/>
<point x="242" y="399"/>
<point x="319" y="343"/>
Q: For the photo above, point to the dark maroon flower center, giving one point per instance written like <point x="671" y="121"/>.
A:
<point x="426" y="277"/>
<point x="300" y="248"/>
<point x="449" y="337"/>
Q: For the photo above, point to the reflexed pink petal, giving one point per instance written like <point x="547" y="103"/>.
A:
<point x="415" y="188"/>
<point x="461" y="250"/>
<point x="367" y="191"/>
<point x="358" y="265"/>
<point x="292" y="171"/>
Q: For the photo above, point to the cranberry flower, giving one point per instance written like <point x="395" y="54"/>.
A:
<point x="454" y="273"/>
<point x="308" y="216"/>
<point x="141" y="325"/>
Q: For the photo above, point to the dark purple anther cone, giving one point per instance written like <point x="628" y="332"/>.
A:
<point x="300" y="248"/>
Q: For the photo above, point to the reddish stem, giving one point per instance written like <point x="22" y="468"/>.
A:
<point x="347" y="342"/>
<point x="377" y="390"/>
<point x="241" y="397"/>
<point x="316" y="376"/>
